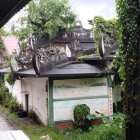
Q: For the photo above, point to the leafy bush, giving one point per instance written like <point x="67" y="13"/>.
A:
<point x="91" y="117"/>
<point x="80" y="112"/>
<point x="118" y="120"/>
<point x="108" y="132"/>
<point x="104" y="118"/>
<point x="111" y="130"/>
<point x="3" y="93"/>
<point x="7" y="99"/>
<point x="9" y="78"/>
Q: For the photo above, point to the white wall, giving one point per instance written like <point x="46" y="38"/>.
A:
<point x="70" y="88"/>
<point x="35" y="88"/>
<point x="70" y="92"/>
<point x="15" y="90"/>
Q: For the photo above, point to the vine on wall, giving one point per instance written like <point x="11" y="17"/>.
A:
<point x="128" y="19"/>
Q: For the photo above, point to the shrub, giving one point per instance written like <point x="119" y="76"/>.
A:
<point x="108" y="132"/>
<point x="80" y="112"/>
<point x="9" y="78"/>
<point x="7" y="99"/>
<point x="112" y="129"/>
<point x="104" y="118"/>
<point x="3" y="93"/>
<point x="118" y="120"/>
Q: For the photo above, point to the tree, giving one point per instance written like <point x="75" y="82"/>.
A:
<point x="50" y="16"/>
<point x="102" y="26"/>
<point x="129" y="23"/>
<point x="2" y="33"/>
<point x="44" y="17"/>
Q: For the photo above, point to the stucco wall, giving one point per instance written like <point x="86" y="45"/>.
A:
<point x="15" y="90"/>
<point x="37" y="94"/>
<point x="36" y="90"/>
<point x="68" y="93"/>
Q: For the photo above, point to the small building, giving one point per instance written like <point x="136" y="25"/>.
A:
<point x="57" y="81"/>
<point x="53" y="95"/>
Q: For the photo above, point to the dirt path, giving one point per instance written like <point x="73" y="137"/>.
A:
<point x="5" y="124"/>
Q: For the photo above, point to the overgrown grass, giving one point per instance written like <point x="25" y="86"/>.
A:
<point x="110" y="131"/>
<point x="8" y="114"/>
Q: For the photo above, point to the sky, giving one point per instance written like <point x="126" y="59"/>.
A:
<point x="85" y="10"/>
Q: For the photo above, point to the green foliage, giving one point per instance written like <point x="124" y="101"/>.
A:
<point x="128" y="13"/>
<point x="104" y="118"/>
<point x="7" y="61"/>
<point x="45" y="17"/>
<point x="102" y="26"/>
<point x="119" y="120"/>
<point x="9" y="78"/>
<point x="91" y="117"/>
<point x="2" y="33"/>
<point x="108" y="132"/>
<point x="3" y="92"/>
<point x="102" y="132"/>
<point x="23" y="33"/>
<point x="6" y="98"/>
<point x="23" y="46"/>
<point x="85" y="56"/>
<point x="129" y="28"/>
<point x="112" y="130"/>
<point x="99" y="24"/>
<point x="50" y="16"/>
<point x="80" y="112"/>
<point x="1" y="43"/>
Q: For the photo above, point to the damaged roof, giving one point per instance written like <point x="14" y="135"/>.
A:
<point x="73" y="70"/>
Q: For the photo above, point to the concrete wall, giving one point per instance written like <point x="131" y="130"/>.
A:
<point x="15" y="90"/>
<point x="70" y="92"/>
<point x="66" y="94"/>
<point x="35" y="88"/>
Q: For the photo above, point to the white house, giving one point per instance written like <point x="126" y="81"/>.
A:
<point x="53" y="95"/>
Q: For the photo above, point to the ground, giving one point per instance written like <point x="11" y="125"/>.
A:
<point x="112" y="130"/>
<point x="28" y="126"/>
<point x="5" y="124"/>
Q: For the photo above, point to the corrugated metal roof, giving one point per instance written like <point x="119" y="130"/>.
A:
<point x="10" y="7"/>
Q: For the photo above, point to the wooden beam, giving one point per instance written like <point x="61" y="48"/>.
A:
<point x="50" y="102"/>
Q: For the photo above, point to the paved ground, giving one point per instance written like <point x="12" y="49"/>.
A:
<point x="8" y="130"/>
<point x="13" y="135"/>
<point x="4" y="123"/>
